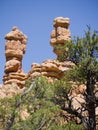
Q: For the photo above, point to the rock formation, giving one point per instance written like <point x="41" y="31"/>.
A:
<point x="14" y="78"/>
<point x="10" y="90"/>
<point x="50" y="68"/>
<point x="54" y="68"/>
<point x="14" y="49"/>
<point x="61" y="34"/>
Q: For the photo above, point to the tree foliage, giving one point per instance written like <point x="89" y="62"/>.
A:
<point x="43" y="102"/>
<point x="84" y="53"/>
<point x="80" y="48"/>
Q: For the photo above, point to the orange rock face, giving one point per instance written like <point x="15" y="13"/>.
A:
<point x="54" y="68"/>
<point x="61" y="34"/>
<point x="62" y="22"/>
<point x="14" y="49"/>
<point x="50" y="68"/>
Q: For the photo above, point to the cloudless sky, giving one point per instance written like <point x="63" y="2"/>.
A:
<point x="35" y="19"/>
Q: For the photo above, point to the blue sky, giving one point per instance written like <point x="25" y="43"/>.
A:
<point x="35" y="19"/>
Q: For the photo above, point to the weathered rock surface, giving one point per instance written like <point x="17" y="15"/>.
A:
<point x="50" y="68"/>
<point x="60" y="21"/>
<point x="54" y="68"/>
<point x="9" y="90"/>
<point x="61" y="34"/>
<point x="14" y="49"/>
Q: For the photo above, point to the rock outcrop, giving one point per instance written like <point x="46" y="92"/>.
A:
<point x="50" y="69"/>
<point x="61" y="34"/>
<point x="10" y="90"/>
<point x="14" y="50"/>
<point x="53" y="68"/>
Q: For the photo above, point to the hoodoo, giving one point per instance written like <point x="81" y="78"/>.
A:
<point x="14" y="50"/>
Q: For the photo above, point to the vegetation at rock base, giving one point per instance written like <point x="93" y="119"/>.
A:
<point x="38" y="107"/>
<point x="84" y="53"/>
<point x="45" y="105"/>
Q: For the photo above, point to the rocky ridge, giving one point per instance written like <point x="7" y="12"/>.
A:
<point x="50" y="68"/>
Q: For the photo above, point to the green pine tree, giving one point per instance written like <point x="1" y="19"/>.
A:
<point x="43" y="101"/>
<point x="84" y="53"/>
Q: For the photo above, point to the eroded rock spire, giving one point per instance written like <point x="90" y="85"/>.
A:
<point x="14" y="49"/>
<point x="60" y="34"/>
<point x="53" y="68"/>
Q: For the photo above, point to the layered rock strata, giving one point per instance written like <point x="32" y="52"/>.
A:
<point x="14" y="50"/>
<point x="60" y="34"/>
<point x="50" y="68"/>
<point x="53" y="68"/>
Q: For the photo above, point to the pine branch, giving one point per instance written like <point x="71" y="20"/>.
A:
<point x="13" y="115"/>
